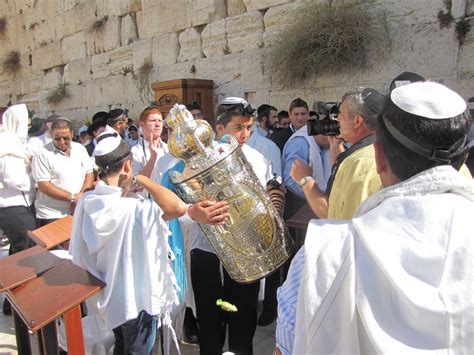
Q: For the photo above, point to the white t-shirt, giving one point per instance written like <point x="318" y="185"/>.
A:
<point x="34" y="144"/>
<point x="64" y="171"/>
<point x="266" y="147"/>
<point x="141" y="154"/>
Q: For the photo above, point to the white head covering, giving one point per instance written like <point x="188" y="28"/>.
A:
<point x="428" y="99"/>
<point x="15" y="121"/>
<point x="106" y="143"/>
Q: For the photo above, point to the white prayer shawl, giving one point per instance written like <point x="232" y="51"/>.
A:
<point x="397" y="279"/>
<point x="321" y="172"/>
<point x="123" y="242"/>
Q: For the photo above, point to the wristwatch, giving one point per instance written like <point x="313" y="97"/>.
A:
<point x="72" y="198"/>
<point x="304" y="180"/>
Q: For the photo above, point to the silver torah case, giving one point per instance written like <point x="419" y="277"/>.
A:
<point x="254" y="240"/>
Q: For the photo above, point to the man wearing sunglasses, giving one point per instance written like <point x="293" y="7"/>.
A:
<point x="63" y="171"/>
<point x="353" y="175"/>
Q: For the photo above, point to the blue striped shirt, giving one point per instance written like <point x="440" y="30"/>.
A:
<point x="287" y="296"/>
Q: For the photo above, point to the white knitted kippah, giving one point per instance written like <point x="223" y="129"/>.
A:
<point x="428" y="99"/>
<point x="107" y="142"/>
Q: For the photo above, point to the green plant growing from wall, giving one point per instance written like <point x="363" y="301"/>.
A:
<point x="462" y="29"/>
<point x="12" y="62"/>
<point x="462" y="26"/>
<point x="3" y="25"/>
<point x="142" y="79"/>
<point x="57" y="95"/>
<point x="99" y="24"/>
<point x="321" y="38"/>
<point x="445" y="19"/>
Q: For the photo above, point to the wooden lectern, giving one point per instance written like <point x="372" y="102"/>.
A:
<point x="42" y="287"/>
<point x="53" y="234"/>
<point x="184" y="91"/>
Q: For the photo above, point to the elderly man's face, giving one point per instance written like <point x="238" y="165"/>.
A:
<point x="346" y="122"/>
<point x="62" y="138"/>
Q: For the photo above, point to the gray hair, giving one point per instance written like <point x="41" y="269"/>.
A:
<point x="357" y="106"/>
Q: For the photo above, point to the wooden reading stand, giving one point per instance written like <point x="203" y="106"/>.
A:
<point x="53" y="234"/>
<point x="42" y="287"/>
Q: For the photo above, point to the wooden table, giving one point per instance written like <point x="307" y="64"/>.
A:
<point x="53" y="234"/>
<point x="42" y="287"/>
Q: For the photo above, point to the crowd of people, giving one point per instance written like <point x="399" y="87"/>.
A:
<point x="384" y="266"/>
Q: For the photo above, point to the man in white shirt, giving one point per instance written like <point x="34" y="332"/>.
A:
<point x="153" y="159"/>
<point x="209" y="280"/>
<point x="397" y="278"/>
<point x="63" y="171"/>
<point x="16" y="215"/>
<point x="123" y="241"/>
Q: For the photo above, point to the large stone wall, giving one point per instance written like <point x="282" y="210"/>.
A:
<point x="97" y="48"/>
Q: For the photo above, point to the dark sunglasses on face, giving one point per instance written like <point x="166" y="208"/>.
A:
<point x="66" y="138"/>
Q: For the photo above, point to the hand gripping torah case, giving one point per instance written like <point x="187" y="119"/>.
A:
<point x="254" y="241"/>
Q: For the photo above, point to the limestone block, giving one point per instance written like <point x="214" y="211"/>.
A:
<point x="112" y="90"/>
<point x="75" y="19"/>
<point x="92" y="95"/>
<point x="235" y="7"/>
<point x="214" y="40"/>
<point x="277" y="18"/>
<point x="141" y="52"/>
<point x="190" y="45"/>
<point x="406" y="12"/>
<point x="228" y="69"/>
<point x="52" y="78"/>
<point x="120" y="60"/>
<point x="122" y="7"/>
<point x="458" y="8"/>
<point x="173" y="71"/>
<point x="258" y="97"/>
<point x="73" y="47"/>
<point x="47" y="56"/>
<point x="281" y="99"/>
<point x="263" y="4"/>
<point x="201" y="12"/>
<point x="74" y="99"/>
<point x="165" y="49"/>
<point x="232" y="88"/>
<point x="129" y="30"/>
<point x="77" y="71"/>
<point x="5" y="89"/>
<point x="47" y="9"/>
<point x="465" y="62"/>
<point x="245" y="31"/>
<point x="105" y="38"/>
<point x="34" y="82"/>
<point x="253" y="76"/>
<point x="171" y="16"/>
<point x="131" y="92"/>
<point x="44" y="33"/>
<point x="99" y="66"/>
<point x="168" y="16"/>
<point x="68" y="4"/>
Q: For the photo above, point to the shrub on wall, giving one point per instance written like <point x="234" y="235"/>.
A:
<point x="58" y="94"/>
<point x="3" y="25"/>
<point x="320" y="38"/>
<point x="12" y="62"/>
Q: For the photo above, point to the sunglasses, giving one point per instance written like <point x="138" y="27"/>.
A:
<point x="66" y="138"/>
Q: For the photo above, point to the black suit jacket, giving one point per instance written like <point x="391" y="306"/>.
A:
<point x="90" y="148"/>
<point x="281" y="137"/>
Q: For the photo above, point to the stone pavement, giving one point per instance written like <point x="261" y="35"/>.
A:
<point x="264" y="340"/>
